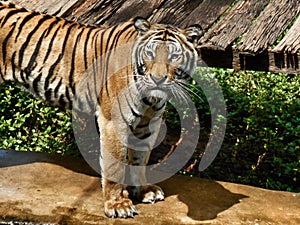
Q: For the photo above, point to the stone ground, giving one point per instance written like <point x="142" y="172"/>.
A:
<point x="37" y="188"/>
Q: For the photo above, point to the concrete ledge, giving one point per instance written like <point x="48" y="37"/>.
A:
<point x="44" y="188"/>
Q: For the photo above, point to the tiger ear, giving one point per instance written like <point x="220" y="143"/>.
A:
<point x="141" y="25"/>
<point x="193" y="33"/>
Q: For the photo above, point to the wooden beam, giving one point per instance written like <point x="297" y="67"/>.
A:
<point x="284" y="63"/>
<point x="264" y="61"/>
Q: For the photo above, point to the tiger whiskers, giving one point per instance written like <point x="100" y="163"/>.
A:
<point x="125" y="77"/>
<point x="178" y="94"/>
<point x="186" y="87"/>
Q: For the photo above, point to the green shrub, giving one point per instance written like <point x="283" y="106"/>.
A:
<point x="262" y="141"/>
<point x="27" y="124"/>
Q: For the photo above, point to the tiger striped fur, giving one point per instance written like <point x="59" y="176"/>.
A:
<point x="124" y="74"/>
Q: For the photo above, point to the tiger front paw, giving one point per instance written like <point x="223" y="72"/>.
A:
<point x="123" y="208"/>
<point x="151" y="194"/>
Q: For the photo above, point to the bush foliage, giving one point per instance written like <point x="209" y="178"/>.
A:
<point x="261" y="145"/>
<point x="26" y="123"/>
<point x="262" y="141"/>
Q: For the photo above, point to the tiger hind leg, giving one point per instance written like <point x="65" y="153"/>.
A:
<point x="148" y="193"/>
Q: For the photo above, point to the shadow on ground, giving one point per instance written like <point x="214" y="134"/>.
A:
<point x="204" y="199"/>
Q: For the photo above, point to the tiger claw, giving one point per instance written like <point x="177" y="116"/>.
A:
<point x="120" y="209"/>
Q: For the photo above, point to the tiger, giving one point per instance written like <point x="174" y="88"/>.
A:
<point x="123" y="74"/>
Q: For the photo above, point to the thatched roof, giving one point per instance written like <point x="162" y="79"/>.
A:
<point x="244" y="34"/>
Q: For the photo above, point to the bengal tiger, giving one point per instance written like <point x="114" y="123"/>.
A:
<point x="123" y="74"/>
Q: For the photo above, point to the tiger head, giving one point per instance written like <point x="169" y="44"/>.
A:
<point x="164" y="56"/>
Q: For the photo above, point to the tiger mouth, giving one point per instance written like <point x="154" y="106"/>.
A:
<point x="157" y="93"/>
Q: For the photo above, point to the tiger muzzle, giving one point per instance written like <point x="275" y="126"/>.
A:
<point x="158" y="80"/>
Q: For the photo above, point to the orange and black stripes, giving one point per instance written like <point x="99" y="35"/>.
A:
<point x="123" y="74"/>
<point x="58" y="60"/>
<point x="50" y="55"/>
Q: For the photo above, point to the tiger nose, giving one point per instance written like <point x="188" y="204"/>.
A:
<point x="158" y="80"/>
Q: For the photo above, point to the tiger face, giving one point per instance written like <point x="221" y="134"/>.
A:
<point x="164" y="56"/>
